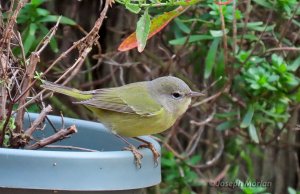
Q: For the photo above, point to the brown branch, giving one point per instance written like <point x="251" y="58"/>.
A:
<point x="38" y="120"/>
<point x="34" y="59"/>
<point x="84" y="46"/>
<point x="3" y="75"/>
<point x="234" y="29"/>
<point x="215" y="158"/>
<point x="283" y="49"/>
<point x="42" y="45"/>
<point x="61" y="134"/>
<point x="216" y="95"/>
<point x="207" y="120"/>
<point x="8" y="31"/>
<point x="287" y="25"/>
<point x="71" y="148"/>
<point x="247" y="17"/>
<point x="46" y="40"/>
<point x="224" y="35"/>
<point x="219" y="177"/>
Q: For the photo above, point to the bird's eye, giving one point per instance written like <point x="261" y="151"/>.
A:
<point x="176" y="95"/>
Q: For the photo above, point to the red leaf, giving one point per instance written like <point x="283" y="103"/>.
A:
<point x="157" y="24"/>
<point x="224" y="3"/>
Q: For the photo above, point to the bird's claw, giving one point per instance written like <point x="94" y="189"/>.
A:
<point x="137" y="155"/>
<point x="155" y="153"/>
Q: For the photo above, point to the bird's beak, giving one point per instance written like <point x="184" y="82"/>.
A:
<point x="195" y="94"/>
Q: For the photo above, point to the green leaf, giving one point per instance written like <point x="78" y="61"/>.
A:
<point x="256" y="26"/>
<point x="295" y="65"/>
<point x="37" y="2"/>
<point x="291" y="190"/>
<point x="249" y="24"/>
<point x="66" y="20"/>
<point x="248" y="117"/>
<point x="142" y="30"/>
<point x="264" y="3"/>
<point x="54" y="18"/>
<point x="194" y="160"/>
<point x="226" y="114"/>
<point x="182" y="26"/>
<point x="30" y="38"/>
<point x="253" y="133"/>
<point x="42" y="12"/>
<point x="218" y="33"/>
<point x="211" y="56"/>
<point x="133" y="8"/>
<point x="226" y="125"/>
<point x="192" y="38"/>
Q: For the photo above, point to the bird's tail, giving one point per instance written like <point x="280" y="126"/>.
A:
<point x="77" y="94"/>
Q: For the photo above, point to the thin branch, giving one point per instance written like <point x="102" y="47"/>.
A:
<point x="84" y="46"/>
<point x="224" y="34"/>
<point x="61" y="134"/>
<point x="34" y="59"/>
<point x="287" y="25"/>
<point x="45" y="41"/>
<point x="216" y="157"/>
<point x="70" y="148"/>
<point x="38" y="120"/>
<point x="234" y="27"/>
<point x="283" y="49"/>
<point x="207" y="120"/>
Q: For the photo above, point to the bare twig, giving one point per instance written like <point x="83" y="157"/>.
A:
<point x="287" y="25"/>
<point x="234" y="27"/>
<point x="5" y="50"/>
<point x="34" y="59"/>
<point x="194" y="142"/>
<point x="46" y="40"/>
<point x="8" y="31"/>
<point x="207" y="120"/>
<point x="224" y="34"/>
<point x="84" y="46"/>
<point x="247" y="17"/>
<point x="42" y="45"/>
<point x="61" y="134"/>
<point x="219" y="177"/>
<point x="216" y="95"/>
<point x="283" y="49"/>
<point x="70" y="148"/>
<point x="38" y="120"/>
<point x="215" y="158"/>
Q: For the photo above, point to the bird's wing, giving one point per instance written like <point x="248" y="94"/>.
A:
<point x="131" y="99"/>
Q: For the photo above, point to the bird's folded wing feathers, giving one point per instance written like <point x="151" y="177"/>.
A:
<point x="131" y="99"/>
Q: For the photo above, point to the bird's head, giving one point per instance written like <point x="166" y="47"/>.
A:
<point x="172" y="93"/>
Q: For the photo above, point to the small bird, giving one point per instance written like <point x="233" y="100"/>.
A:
<point x="136" y="109"/>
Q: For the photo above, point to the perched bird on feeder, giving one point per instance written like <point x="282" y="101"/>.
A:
<point x="136" y="109"/>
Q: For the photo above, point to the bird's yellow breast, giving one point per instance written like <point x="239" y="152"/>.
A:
<point x="133" y="125"/>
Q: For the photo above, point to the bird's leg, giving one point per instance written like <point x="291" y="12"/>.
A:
<point x="150" y="146"/>
<point x="137" y="155"/>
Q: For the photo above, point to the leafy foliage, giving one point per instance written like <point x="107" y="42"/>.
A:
<point x="178" y="175"/>
<point x="34" y="20"/>
<point x="263" y="85"/>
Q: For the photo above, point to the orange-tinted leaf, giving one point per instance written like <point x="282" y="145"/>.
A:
<point x="224" y="3"/>
<point x="157" y="24"/>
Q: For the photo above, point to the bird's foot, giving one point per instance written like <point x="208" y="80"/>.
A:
<point x="155" y="153"/>
<point x="137" y="155"/>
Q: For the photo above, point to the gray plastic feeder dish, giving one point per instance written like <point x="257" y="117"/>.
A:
<point x="109" y="170"/>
